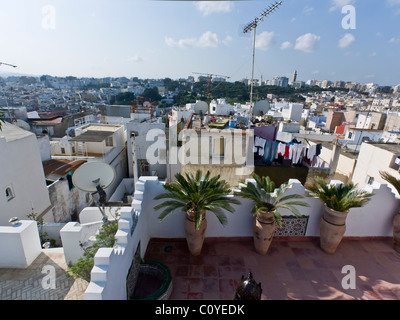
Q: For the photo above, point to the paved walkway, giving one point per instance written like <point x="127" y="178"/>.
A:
<point x="27" y="284"/>
<point x="290" y="270"/>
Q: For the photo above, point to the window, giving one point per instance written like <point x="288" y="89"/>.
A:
<point x="109" y="142"/>
<point x="370" y="180"/>
<point x="62" y="150"/>
<point x="9" y="193"/>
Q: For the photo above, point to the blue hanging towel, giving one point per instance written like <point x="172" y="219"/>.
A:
<point x="270" y="151"/>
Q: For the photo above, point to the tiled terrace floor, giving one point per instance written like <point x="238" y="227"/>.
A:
<point x="26" y="284"/>
<point x="290" y="270"/>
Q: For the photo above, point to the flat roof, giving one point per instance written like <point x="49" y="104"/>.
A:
<point x="392" y="147"/>
<point x="54" y="169"/>
<point x="12" y="132"/>
<point x="92" y="136"/>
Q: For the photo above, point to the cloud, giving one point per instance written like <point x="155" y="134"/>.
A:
<point x="393" y="2"/>
<point x="346" y="40"/>
<point x="394" y="40"/>
<point x="209" y="7"/>
<point x="206" y="40"/>
<point x="339" y="4"/>
<point x="286" y="45"/>
<point x="308" y="10"/>
<point x="227" y="40"/>
<point x="265" y="40"/>
<point x="307" y="42"/>
<point x="135" y="58"/>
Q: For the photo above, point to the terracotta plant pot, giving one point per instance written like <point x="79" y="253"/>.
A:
<point x="195" y="238"/>
<point x="332" y="228"/>
<point x="396" y="232"/>
<point x="264" y="229"/>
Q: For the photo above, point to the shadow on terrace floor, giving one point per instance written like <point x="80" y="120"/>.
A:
<point x="290" y="270"/>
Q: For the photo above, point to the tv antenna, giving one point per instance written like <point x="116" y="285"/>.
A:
<point x="7" y="64"/>
<point x="253" y="26"/>
<point x="94" y="177"/>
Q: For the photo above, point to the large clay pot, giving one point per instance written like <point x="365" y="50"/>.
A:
<point x="396" y="232"/>
<point x="264" y="229"/>
<point x="332" y="228"/>
<point x="195" y="238"/>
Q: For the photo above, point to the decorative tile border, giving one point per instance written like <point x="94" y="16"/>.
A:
<point x="292" y="226"/>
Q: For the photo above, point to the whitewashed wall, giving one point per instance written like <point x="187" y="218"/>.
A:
<point x="108" y="278"/>
<point x="19" y="244"/>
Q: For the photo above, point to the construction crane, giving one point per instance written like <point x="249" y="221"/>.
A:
<point x="210" y="76"/>
<point x="7" y="64"/>
<point x="253" y="26"/>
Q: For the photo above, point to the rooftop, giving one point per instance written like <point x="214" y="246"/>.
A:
<point x="92" y="136"/>
<point x="291" y="270"/>
<point x="11" y="132"/>
<point x="57" y="168"/>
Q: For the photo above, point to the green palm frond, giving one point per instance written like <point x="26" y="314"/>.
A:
<point x="268" y="198"/>
<point x="391" y="179"/>
<point x="338" y="197"/>
<point x="196" y="194"/>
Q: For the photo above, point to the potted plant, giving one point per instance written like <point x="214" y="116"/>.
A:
<point x="338" y="200"/>
<point x="268" y="201"/>
<point x="396" y="220"/>
<point x="195" y="195"/>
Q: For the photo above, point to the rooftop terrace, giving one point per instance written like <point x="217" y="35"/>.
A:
<point x="292" y="270"/>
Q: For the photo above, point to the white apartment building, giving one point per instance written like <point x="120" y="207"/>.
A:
<point x="292" y="111"/>
<point x="22" y="181"/>
<point x="96" y="142"/>
<point x="221" y="107"/>
<point x="375" y="157"/>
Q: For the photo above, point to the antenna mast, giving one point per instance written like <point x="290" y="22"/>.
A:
<point x="7" y="64"/>
<point x="253" y="26"/>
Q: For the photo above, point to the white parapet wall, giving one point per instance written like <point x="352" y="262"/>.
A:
<point x="19" y="244"/>
<point x="139" y="223"/>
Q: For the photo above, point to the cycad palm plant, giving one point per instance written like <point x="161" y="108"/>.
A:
<point x="340" y="197"/>
<point x="268" y="198"/>
<point x="391" y="179"/>
<point x="396" y="220"/>
<point x="268" y="202"/>
<point x="195" y="195"/>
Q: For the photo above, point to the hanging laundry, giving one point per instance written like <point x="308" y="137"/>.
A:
<point x="270" y="152"/>
<point x="298" y="153"/>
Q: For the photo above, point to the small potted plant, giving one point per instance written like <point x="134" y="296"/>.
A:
<point x="338" y="200"/>
<point x="396" y="220"/>
<point x="268" y="201"/>
<point x="195" y="195"/>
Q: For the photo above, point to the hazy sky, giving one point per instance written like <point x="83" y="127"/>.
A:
<point x="157" y="39"/>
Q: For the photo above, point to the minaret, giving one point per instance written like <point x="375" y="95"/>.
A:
<point x="294" y="77"/>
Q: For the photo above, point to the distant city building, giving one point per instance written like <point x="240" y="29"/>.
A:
<point x="280" y="82"/>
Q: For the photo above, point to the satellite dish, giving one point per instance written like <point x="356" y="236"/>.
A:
<point x="201" y="107"/>
<point x="261" y="108"/>
<point x="22" y="124"/>
<point x="91" y="174"/>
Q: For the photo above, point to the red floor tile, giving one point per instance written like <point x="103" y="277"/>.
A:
<point x="290" y="270"/>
